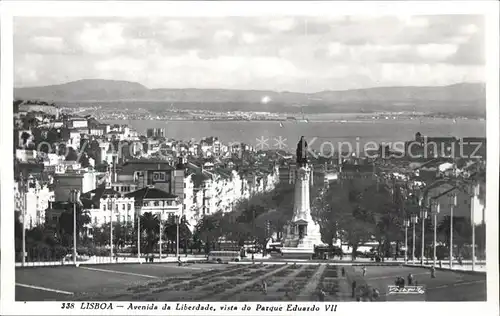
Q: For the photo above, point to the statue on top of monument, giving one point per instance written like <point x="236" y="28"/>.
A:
<point x="302" y="152"/>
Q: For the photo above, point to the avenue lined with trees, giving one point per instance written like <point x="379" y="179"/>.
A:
<point x="354" y="211"/>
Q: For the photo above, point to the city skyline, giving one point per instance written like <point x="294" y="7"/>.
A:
<point x="280" y="54"/>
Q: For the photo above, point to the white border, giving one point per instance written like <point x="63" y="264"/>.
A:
<point x="107" y="8"/>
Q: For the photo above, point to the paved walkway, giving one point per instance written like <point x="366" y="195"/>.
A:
<point x="107" y="260"/>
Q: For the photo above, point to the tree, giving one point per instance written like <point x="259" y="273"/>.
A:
<point x="170" y="232"/>
<point x="101" y="234"/>
<point x="66" y="223"/>
<point x="208" y="229"/>
<point x="150" y="225"/>
<point x="462" y="232"/>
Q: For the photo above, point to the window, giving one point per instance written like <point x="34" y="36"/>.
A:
<point x="123" y="207"/>
<point x="104" y="207"/>
<point x="95" y="220"/>
<point x="129" y="207"/>
<point x="129" y="218"/>
<point x="156" y="203"/>
<point x="169" y="203"/>
<point x="145" y="204"/>
<point x="123" y="218"/>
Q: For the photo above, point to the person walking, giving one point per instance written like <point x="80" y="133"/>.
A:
<point x="343" y="271"/>
<point x="287" y="296"/>
<point x="364" y="270"/>
<point x="321" y="295"/>
<point x="433" y="272"/>
<point x="179" y="262"/>
<point x="410" y="279"/>
<point x="353" y="289"/>
<point x="264" y="287"/>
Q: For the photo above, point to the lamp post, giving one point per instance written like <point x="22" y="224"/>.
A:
<point x="414" y="220"/>
<point x="475" y="192"/>
<point x="435" y="212"/>
<point x="113" y="200"/>
<point x="139" y="236"/>
<point x="453" y="203"/>
<point x="177" y="219"/>
<point x="75" y="197"/>
<point x="159" y="215"/>
<point x="423" y="215"/>
<point x="406" y="224"/>
<point x="24" y="189"/>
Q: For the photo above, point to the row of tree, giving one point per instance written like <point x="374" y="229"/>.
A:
<point x="353" y="211"/>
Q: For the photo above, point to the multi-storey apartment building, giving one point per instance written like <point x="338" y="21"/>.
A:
<point x="33" y="199"/>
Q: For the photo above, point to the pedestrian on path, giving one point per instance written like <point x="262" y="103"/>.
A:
<point x="410" y="279"/>
<point x="364" y="270"/>
<point x="287" y="297"/>
<point x="375" y="294"/>
<point x="179" y="262"/>
<point x="343" y="271"/>
<point x="321" y="295"/>
<point x="433" y="272"/>
<point x="264" y="287"/>
<point x="440" y="264"/>
<point x="353" y="288"/>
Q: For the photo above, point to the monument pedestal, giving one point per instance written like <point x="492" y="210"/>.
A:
<point x="302" y="234"/>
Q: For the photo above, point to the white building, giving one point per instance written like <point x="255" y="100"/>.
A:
<point x="105" y="204"/>
<point x="36" y="201"/>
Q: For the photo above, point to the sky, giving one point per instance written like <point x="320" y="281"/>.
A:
<point x="282" y="53"/>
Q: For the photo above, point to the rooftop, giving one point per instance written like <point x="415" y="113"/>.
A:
<point x="150" y="193"/>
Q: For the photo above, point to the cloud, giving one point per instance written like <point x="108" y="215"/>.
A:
<point x="329" y="52"/>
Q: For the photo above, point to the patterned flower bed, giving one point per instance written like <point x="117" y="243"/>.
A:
<point x="215" y="271"/>
<point x="190" y="285"/>
<point x="283" y="273"/>
<point x="294" y="266"/>
<point x="221" y="287"/>
<point x="255" y="273"/>
<point x="257" y="286"/>
<point x="331" y="272"/>
<point x="236" y="272"/>
<point x="307" y="272"/>
<point x="294" y="286"/>
<point x="330" y="286"/>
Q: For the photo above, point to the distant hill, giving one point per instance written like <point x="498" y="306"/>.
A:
<point x="468" y="97"/>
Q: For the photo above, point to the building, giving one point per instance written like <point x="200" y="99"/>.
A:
<point x="155" y="132"/>
<point x="99" y="130"/>
<point x="82" y="181"/>
<point x="54" y="212"/>
<point x="442" y="191"/>
<point x="77" y="122"/>
<point x="26" y="155"/>
<point x="105" y="204"/>
<point x="34" y="202"/>
<point x="155" y="201"/>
